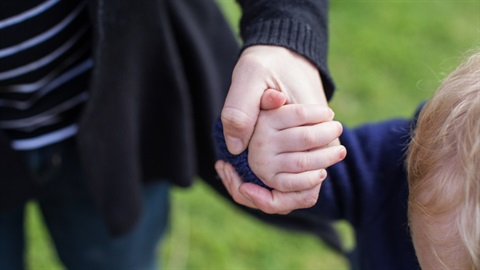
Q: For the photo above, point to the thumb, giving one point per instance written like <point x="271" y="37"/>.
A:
<point x="239" y="114"/>
<point x="272" y="99"/>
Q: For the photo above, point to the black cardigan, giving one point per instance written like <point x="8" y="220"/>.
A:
<point x="162" y="71"/>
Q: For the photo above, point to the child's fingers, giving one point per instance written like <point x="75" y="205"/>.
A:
<point x="272" y="99"/>
<point x="292" y="115"/>
<point x="297" y="162"/>
<point x="232" y="181"/>
<point x="306" y="137"/>
<point x="266" y="169"/>
<point x="291" y="182"/>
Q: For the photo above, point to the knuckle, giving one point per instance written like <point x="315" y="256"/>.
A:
<point x="259" y="166"/>
<point x="331" y="161"/>
<point x="283" y="182"/>
<point x="268" y="208"/>
<point x="302" y="163"/>
<point x="274" y="206"/>
<point x="313" y="180"/>
<point x="300" y="112"/>
<point x="295" y="183"/>
<point x="310" y="200"/>
<point x="259" y="145"/>
<point x="309" y="138"/>
<point x="237" y="197"/>
<point x="236" y="119"/>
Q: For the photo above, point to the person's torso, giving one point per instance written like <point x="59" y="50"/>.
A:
<point x="45" y="62"/>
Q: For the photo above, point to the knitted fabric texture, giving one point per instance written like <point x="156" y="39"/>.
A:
<point x="239" y="162"/>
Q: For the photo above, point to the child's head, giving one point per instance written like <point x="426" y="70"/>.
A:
<point x="444" y="173"/>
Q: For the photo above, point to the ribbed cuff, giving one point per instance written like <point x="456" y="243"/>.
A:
<point x="296" y="36"/>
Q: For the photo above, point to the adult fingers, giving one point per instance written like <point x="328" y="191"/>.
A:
<point x="277" y="202"/>
<point x="232" y="182"/>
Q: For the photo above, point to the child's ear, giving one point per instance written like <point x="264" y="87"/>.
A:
<point x="272" y="99"/>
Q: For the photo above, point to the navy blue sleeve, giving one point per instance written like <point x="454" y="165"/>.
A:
<point x="372" y="178"/>
<point x="239" y="162"/>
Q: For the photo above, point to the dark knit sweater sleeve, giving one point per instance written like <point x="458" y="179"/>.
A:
<point x="299" y="25"/>
<point x="239" y="162"/>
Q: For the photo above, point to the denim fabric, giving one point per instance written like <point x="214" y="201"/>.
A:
<point x="11" y="239"/>
<point x="76" y="227"/>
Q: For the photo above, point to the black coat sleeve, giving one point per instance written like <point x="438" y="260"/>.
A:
<point x="299" y="25"/>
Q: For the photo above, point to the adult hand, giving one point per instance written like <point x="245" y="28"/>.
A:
<point x="264" y="67"/>
<point x="295" y="191"/>
<point x="255" y="196"/>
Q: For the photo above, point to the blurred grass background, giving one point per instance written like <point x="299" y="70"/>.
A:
<point x="386" y="57"/>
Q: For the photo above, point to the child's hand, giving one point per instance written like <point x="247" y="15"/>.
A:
<point x="289" y="148"/>
<point x="291" y="190"/>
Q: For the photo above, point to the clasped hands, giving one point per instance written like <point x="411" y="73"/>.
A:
<point x="277" y="107"/>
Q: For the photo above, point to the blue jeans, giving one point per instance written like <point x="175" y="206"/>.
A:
<point x="76" y="227"/>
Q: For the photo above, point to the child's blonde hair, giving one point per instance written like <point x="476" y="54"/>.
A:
<point x="444" y="173"/>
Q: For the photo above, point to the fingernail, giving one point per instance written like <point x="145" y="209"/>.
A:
<point x="332" y="113"/>
<point x="235" y="145"/>
<point x="323" y="174"/>
<point x="219" y="165"/>
<point x="342" y="153"/>
<point x="219" y="169"/>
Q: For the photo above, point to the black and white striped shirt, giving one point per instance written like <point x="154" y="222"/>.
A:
<point x="45" y="64"/>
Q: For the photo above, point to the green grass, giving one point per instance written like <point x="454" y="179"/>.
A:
<point x="386" y="57"/>
<point x="207" y="233"/>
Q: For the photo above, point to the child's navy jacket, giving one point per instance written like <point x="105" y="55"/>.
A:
<point x="369" y="189"/>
